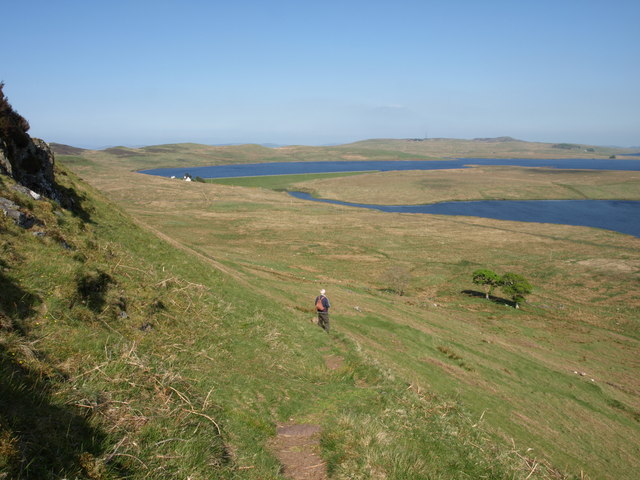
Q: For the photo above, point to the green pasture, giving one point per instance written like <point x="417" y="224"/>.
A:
<point x="125" y="355"/>
<point x="436" y="383"/>
<point x="514" y="370"/>
<point x="278" y="182"/>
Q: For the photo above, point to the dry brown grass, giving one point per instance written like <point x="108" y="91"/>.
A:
<point x="449" y="147"/>
<point x="479" y="183"/>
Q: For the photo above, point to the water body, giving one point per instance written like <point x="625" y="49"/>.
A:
<point x="620" y="216"/>
<point x="617" y="215"/>
<point x="290" y="168"/>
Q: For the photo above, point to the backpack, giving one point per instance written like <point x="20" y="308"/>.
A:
<point x="319" y="305"/>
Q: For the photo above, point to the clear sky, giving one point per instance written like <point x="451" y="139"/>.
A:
<point x="140" y="72"/>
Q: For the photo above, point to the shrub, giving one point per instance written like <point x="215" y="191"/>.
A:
<point x="516" y="287"/>
<point x="13" y="127"/>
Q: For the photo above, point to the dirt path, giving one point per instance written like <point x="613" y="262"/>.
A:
<point x="298" y="449"/>
<point x="189" y="250"/>
<point x="297" y="446"/>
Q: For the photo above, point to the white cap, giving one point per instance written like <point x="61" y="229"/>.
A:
<point x="322" y="292"/>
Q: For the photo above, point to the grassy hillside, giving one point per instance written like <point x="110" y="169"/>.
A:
<point x="556" y="379"/>
<point x="131" y="354"/>
<point x="190" y="154"/>
<point x="502" y="147"/>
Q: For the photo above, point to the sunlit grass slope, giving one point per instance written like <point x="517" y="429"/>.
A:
<point x="124" y="355"/>
<point x="558" y="377"/>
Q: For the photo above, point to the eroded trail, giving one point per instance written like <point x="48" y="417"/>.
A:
<point x="297" y="446"/>
<point x="298" y="449"/>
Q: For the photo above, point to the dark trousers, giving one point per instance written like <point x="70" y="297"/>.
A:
<point x="323" y="320"/>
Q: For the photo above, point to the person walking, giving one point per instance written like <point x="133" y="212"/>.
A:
<point x="322" y="308"/>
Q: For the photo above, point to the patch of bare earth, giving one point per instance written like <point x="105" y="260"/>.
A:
<point x="297" y="447"/>
<point x="613" y="265"/>
<point x="333" y="362"/>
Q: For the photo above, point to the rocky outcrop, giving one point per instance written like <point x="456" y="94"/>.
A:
<point x="28" y="160"/>
<point x="31" y="165"/>
<point x="12" y="210"/>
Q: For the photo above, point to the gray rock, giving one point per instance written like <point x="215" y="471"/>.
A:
<point x="27" y="191"/>
<point x="30" y="165"/>
<point x="5" y="203"/>
<point x="11" y="210"/>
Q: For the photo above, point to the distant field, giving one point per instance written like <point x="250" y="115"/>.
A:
<point x="278" y="182"/>
<point x="488" y="148"/>
<point x="480" y="183"/>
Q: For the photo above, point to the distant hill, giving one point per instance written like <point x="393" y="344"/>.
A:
<point x="193" y="154"/>
<point x="61" y="149"/>
<point x="497" y="140"/>
<point x="372" y="149"/>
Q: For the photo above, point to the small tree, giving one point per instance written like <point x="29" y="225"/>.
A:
<point x="516" y="287"/>
<point x="488" y="279"/>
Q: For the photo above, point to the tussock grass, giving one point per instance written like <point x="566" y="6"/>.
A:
<point x="226" y="296"/>
<point x="79" y="390"/>
<point x="514" y="368"/>
<point x="125" y="357"/>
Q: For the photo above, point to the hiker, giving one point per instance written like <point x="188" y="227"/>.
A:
<point x="322" y="307"/>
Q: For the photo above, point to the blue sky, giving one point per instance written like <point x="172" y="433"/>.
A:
<point x="142" y="72"/>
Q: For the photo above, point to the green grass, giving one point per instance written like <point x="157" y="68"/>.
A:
<point x="435" y="384"/>
<point x="265" y="238"/>
<point x="126" y="357"/>
<point x="278" y="182"/>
